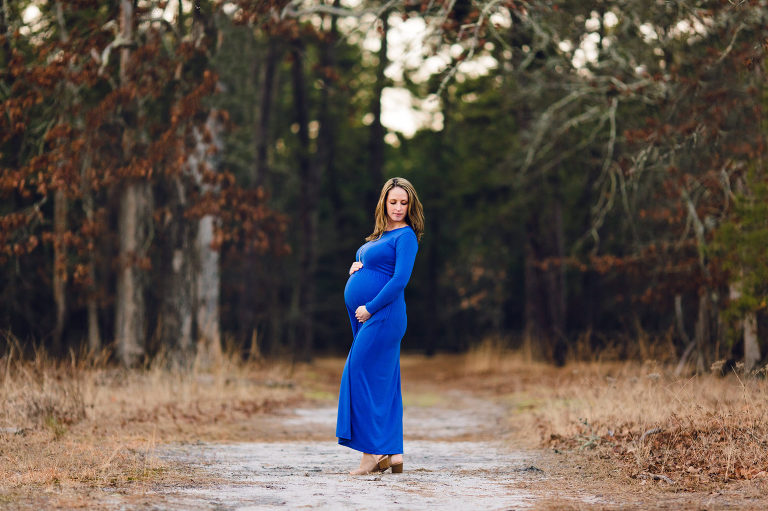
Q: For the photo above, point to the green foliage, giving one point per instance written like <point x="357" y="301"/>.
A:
<point x="591" y="162"/>
<point x="741" y="242"/>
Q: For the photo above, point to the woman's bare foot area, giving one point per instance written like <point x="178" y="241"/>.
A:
<point x="369" y="463"/>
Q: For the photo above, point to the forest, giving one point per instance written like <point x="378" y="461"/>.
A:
<point x="179" y="178"/>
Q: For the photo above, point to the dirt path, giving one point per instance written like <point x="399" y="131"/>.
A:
<point x="473" y="440"/>
<point x="443" y="468"/>
<point x="464" y="442"/>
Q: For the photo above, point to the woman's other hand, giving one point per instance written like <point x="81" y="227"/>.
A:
<point x="362" y="314"/>
<point x="355" y="266"/>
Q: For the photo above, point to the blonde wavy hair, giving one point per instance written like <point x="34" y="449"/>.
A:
<point x="414" y="217"/>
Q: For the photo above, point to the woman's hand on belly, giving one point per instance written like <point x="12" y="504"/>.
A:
<point x="362" y="314"/>
<point x="355" y="266"/>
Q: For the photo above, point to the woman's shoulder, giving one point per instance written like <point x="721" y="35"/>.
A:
<point x="406" y="233"/>
<point x="401" y="231"/>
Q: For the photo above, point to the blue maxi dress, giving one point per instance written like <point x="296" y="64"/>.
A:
<point x="370" y="415"/>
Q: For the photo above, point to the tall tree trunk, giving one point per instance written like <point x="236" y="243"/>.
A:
<point x="130" y="313"/>
<point x="533" y="334"/>
<point x="60" y="210"/>
<point x="94" y="336"/>
<point x="59" y="267"/>
<point x="556" y="291"/>
<point x="751" y="346"/>
<point x="208" y="285"/>
<point x="328" y="128"/>
<point x="545" y="308"/>
<point x="433" y="279"/>
<point x="702" y="330"/>
<point x="178" y="266"/>
<point x="442" y="147"/>
<point x="748" y="326"/>
<point x="267" y="76"/>
<point x="307" y="211"/>
<point x="133" y="233"/>
<point x="177" y="284"/>
<point x="262" y="131"/>
<point x="376" y="142"/>
<point x="208" y="272"/>
<point x="5" y="32"/>
<point x="683" y="333"/>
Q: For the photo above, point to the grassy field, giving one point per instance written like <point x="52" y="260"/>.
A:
<point x="79" y="425"/>
<point x="75" y="427"/>
<point x="696" y="432"/>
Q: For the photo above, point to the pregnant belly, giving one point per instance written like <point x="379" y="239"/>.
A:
<point x="363" y="286"/>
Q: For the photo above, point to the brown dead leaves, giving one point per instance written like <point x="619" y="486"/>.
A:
<point x="691" y="451"/>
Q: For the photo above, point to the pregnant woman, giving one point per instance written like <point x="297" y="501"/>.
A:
<point x="370" y="416"/>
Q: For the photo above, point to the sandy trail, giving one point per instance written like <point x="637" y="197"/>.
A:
<point x="443" y="469"/>
<point x="295" y="475"/>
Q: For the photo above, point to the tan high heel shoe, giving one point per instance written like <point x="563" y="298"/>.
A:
<point x="374" y="464"/>
<point x="384" y="463"/>
<point x="397" y="468"/>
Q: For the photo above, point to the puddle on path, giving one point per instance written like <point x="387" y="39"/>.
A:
<point x="290" y="475"/>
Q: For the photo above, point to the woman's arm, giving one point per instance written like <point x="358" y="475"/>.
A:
<point x="406" y="247"/>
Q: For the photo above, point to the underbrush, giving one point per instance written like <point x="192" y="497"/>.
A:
<point x="82" y="422"/>
<point x="692" y="432"/>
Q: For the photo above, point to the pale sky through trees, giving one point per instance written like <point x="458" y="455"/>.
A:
<point x="594" y="149"/>
<point x="408" y="43"/>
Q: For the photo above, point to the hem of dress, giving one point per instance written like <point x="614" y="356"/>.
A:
<point x="346" y="442"/>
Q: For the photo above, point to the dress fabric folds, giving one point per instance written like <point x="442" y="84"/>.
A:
<point x="370" y="415"/>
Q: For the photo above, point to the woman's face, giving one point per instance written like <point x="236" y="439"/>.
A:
<point x="397" y="205"/>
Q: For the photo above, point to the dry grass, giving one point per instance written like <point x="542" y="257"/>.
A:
<point x="71" y="427"/>
<point x="84" y="424"/>
<point x="695" y="432"/>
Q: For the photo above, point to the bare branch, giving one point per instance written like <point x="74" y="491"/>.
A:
<point x="650" y="432"/>
<point x="118" y="43"/>
<point x="292" y="10"/>
<point x="730" y="45"/>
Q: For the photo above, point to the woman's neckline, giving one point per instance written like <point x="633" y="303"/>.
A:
<point x="397" y="228"/>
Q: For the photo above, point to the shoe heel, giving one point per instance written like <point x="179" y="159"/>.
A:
<point x="397" y="469"/>
<point x="384" y="464"/>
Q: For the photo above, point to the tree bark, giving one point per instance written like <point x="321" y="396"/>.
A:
<point x="376" y="142"/>
<point x="177" y="285"/>
<point x="133" y="232"/>
<point x="556" y="291"/>
<point x="60" y="209"/>
<point x="178" y="266"/>
<point x="12" y="157"/>
<point x="262" y="132"/>
<point x="751" y="346"/>
<point x="680" y="325"/>
<point x="749" y="331"/>
<point x="5" y="30"/>
<point x="208" y="275"/>
<point x="59" y="268"/>
<point x="208" y="284"/>
<point x="94" y="336"/>
<point x="305" y="283"/>
<point x="532" y="331"/>
<point x="130" y="314"/>
<point x="432" y="285"/>
<point x="328" y="128"/>
<point x="702" y="330"/>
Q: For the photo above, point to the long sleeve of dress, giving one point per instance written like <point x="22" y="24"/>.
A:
<point x="406" y="247"/>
